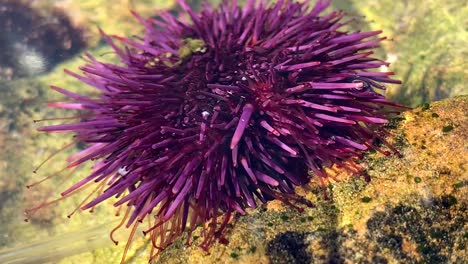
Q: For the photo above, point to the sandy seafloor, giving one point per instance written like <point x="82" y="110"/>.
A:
<point x="428" y="51"/>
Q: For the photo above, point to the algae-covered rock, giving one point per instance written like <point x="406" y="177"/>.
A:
<point x="427" y="45"/>
<point x="414" y="208"/>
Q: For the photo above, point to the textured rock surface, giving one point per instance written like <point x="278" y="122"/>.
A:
<point x="412" y="209"/>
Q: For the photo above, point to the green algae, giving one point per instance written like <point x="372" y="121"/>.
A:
<point x="190" y="46"/>
<point x="366" y="199"/>
<point x="447" y="128"/>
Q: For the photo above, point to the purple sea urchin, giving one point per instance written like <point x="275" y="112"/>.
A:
<point x="225" y="110"/>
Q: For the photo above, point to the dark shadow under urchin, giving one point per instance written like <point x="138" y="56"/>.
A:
<point x="228" y="110"/>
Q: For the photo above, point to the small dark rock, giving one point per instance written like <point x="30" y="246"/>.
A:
<point x="34" y="41"/>
<point x="289" y="247"/>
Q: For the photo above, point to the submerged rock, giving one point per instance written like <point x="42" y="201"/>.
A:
<point x="34" y="40"/>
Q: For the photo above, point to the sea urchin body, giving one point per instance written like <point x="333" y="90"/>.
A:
<point x="224" y="110"/>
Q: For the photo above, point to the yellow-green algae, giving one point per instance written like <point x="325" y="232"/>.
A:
<point x="428" y="45"/>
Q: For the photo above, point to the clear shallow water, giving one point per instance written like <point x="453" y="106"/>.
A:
<point x="426" y="56"/>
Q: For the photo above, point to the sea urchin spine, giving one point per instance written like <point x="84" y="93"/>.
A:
<point x="230" y="108"/>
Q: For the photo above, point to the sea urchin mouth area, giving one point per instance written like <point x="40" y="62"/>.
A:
<point x="207" y="117"/>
